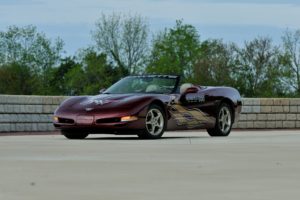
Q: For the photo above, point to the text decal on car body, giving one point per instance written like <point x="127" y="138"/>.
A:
<point x="195" y="98"/>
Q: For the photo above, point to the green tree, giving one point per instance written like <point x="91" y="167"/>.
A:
<point x="58" y="84"/>
<point x="175" y="51"/>
<point x="17" y="79"/>
<point x="84" y="75"/>
<point x="215" y="64"/>
<point x="75" y="80"/>
<point x="26" y="46"/>
<point x="124" y="39"/>
<point x="99" y="74"/>
<point x="258" y="69"/>
<point x="291" y="60"/>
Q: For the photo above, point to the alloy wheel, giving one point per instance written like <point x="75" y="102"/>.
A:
<point x="154" y="121"/>
<point x="225" y="119"/>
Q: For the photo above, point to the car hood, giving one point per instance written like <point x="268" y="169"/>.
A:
<point x="108" y="99"/>
<point x="108" y="103"/>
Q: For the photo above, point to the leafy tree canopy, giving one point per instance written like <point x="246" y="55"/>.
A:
<point x="175" y="51"/>
<point x="26" y="46"/>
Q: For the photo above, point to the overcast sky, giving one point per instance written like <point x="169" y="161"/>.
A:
<point x="232" y="20"/>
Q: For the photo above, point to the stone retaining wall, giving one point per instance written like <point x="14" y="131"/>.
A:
<point x="269" y="113"/>
<point x="34" y="113"/>
<point x="27" y="113"/>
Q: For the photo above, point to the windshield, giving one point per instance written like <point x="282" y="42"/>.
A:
<point x="144" y="84"/>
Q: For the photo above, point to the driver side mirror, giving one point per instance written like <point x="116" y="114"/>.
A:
<point x="102" y="90"/>
<point x="191" y="90"/>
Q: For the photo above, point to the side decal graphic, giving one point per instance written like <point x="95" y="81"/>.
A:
<point x="190" y="118"/>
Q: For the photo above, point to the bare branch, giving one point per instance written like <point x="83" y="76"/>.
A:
<point x="123" y="38"/>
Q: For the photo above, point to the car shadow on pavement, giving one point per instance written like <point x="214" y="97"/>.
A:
<point x="136" y="138"/>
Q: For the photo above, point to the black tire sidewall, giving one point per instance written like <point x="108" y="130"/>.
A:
<point x="216" y="131"/>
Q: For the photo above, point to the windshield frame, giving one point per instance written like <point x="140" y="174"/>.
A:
<point x="173" y="91"/>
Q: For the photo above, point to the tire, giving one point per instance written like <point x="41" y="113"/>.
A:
<point x="74" y="135"/>
<point x="155" y="123"/>
<point x="224" y="121"/>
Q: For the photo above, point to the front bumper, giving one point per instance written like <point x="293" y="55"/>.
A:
<point x="97" y="124"/>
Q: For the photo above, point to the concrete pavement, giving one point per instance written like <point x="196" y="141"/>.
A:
<point x="182" y="165"/>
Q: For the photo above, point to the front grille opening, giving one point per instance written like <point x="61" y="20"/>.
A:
<point x="108" y="120"/>
<point x="65" y="121"/>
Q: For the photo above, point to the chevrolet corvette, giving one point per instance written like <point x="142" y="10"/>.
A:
<point x="147" y="106"/>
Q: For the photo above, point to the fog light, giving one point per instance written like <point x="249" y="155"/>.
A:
<point x="55" y="119"/>
<point x="128" y="118"/>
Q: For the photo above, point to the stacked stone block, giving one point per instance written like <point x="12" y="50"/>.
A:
<point x="34" y="113"/>
<point x="27" y="113"/>
<point x="271" y="113"/>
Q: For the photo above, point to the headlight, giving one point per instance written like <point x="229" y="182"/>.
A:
<point x="128" y="118"/>
<point x="55" y="119"/>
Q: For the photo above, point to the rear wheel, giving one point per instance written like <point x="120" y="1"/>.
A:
<point x="155" y="123"/>
<point x="74" y="135"/>
<point x="224" y="121"/>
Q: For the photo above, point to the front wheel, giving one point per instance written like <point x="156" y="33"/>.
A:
<point x="224" y="121"/>
<point x="155" y="123"/>
<point x="74" y="135"/>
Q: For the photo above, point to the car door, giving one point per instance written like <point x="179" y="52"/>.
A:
<point x="194" y="109"/>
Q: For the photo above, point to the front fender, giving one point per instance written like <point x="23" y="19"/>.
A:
<point x="69" y="102"/>
<point x="143" y="104"/>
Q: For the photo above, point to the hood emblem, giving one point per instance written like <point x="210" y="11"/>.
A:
<point x="88" y="109"/>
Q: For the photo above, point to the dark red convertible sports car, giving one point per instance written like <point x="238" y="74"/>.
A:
<point x="147" y="106"/>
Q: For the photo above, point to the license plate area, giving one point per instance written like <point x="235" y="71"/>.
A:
<point x="85" y="120"/>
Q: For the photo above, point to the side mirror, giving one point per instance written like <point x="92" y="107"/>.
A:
<point x="102" y="90"/>
<point x="191" y="90"/>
